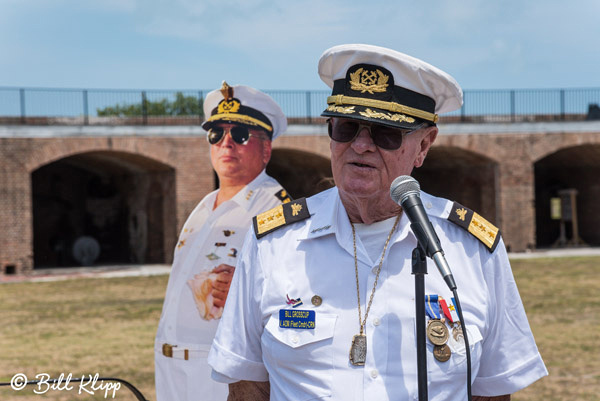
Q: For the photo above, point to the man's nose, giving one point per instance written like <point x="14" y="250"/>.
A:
<point x="227" y="139"/>
<point x="363" y="141"/>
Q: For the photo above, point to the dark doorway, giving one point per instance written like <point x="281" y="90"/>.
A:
<point x="301" y="173"/>
<point x="571" y="168"/>
<point x="462" y="176"/>
<point x="102" y="208"/>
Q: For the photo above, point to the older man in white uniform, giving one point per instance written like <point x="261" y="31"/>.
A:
<point x="322" y="303"/>
<point x="241" y="124"/>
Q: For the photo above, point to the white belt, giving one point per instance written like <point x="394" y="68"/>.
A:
<point x="173" y="351"/>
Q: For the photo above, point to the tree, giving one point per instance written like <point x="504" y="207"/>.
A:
<point x="181" y="106"/>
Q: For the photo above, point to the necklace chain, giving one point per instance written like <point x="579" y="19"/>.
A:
<point x="362" y="322"/>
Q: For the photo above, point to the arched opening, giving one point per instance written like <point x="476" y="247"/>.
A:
<point x="462" y="176"/>
<point x="575" y="168"/>
<point x="300" y="173"/>
<point x="102" y="208"/>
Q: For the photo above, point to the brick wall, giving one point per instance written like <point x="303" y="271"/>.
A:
<point x="502" y="184"/>
<point x="19" y="157"/>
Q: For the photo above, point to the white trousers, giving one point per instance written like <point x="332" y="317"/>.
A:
<point x="181" y="380"/>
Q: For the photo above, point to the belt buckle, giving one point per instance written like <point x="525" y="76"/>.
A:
<point x="167" y="350"/>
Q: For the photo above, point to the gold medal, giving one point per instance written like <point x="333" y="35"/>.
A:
<point x="437" y="332"/>
<point x="442" y="352"/>
<point x="358" y="350"/>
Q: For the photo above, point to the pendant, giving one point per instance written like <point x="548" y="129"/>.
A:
<point x="358" y="351"/>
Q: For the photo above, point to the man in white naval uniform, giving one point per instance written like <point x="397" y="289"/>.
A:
<point x="322" y="303"/>
<point x="241" y="122"/>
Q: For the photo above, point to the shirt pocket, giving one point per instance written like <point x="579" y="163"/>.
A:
<point x="300" y="356"/>
<point x="451" y="376"/>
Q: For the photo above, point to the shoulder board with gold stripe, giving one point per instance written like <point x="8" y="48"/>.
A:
<point x="283" y="196"/>
<point x="282" y="215"/>
<point x="481" y="229"/>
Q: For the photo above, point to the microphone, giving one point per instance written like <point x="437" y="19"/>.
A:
<point x="406" y="192"/>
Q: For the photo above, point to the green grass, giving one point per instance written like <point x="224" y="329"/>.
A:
<point x="107" y="326"/>
<point x="562" y="300"/>
<point x="82" y="326"/>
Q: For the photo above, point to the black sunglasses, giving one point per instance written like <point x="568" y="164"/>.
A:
<point x="383" y="136"/>
<point x="239" y="134"/>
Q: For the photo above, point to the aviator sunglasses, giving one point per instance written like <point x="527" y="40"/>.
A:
<point x="239" y="134"/>
<point x="383" y="136"/>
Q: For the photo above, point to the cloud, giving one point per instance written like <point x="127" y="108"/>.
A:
<point x="243" y="25"/>
<point x="277" y="44"/>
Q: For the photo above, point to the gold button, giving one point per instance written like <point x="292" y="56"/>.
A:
<point x="316" y="300"/>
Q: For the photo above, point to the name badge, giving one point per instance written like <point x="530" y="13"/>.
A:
<point x="296" y="319"/>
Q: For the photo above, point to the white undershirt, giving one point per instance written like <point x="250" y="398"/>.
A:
<point x="373" y="236"/>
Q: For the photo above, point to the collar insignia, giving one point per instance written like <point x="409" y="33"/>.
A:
<point x="461" y="213"/>
<point x="296" y="208"/>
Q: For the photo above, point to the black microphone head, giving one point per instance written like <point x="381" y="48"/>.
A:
<point x="404" y="186"/>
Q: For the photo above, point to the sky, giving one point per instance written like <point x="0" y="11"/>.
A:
<point x="270" y="45"/>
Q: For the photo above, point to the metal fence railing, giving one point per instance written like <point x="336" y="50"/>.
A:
<point x="184" y="107"/>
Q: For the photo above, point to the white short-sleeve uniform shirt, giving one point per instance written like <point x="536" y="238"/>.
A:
<point x="189" y="320"/>
<point x="315" y="257"/>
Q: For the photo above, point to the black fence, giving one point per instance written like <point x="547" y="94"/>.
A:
<point x="45" y="106"/>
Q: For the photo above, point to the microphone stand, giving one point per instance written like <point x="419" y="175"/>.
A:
<point x="419" y="270"/>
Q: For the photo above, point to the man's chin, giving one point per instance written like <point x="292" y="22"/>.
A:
<point x="366" y="189"/>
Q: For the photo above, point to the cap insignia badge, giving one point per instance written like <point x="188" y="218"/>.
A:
<point x="461" y="213"/>
<point x="368" y="81"/>
<point x="228" y="106"/>
<point x="296" y="208"/>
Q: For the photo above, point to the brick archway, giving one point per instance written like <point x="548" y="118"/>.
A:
<point x="123" y="203"/>
<point x="573" y="167"/>
<point x="302" y="173"/>
<point x="51" y="150"/>
<point x="462" y="176"/>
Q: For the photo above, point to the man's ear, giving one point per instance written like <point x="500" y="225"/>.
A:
<point x="266" y="151"/>
<point x="426" y="141"/>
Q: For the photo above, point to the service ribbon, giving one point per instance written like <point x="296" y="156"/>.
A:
<point x="446" y="310"/>
<point x="432" y="306"/>
<point x="453" y="311"/>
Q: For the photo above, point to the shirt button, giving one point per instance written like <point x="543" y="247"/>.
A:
<point x="374" y="373"/>
<point x="376" y="322"/>
<point x="295" y="339"/>
<point x="428" y="205"/>
<point x="374" y="270"/>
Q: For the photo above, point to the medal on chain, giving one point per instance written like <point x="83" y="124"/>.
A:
<point x="358" y="349"/>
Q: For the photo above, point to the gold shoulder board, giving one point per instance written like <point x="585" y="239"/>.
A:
<point x="479" y="227"/>
<point x="283" y="196"/>
<point x="282" y="215"/>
